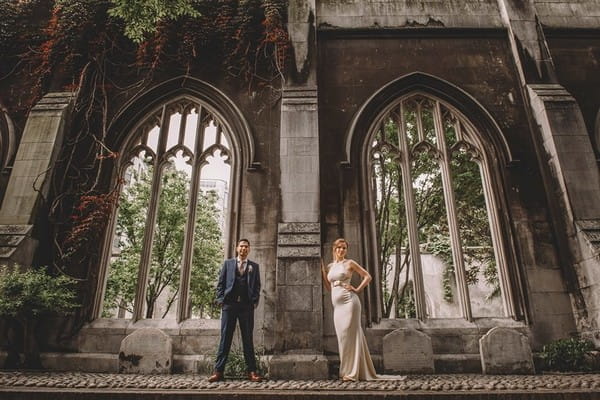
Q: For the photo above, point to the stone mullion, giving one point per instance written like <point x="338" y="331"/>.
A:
<point x="411" y="219"/>
<point x="508" y="297"/>
<point x="374" y="312"/>
<point x="184" y="305"/>
<point x="105" y="258"/>
<point x="98" y="304"/>
<point x="182" y="125"/>
<point x="218" y="133"/>
<point x="145" y="259"/>
<point x="420" y="133"/>
<point x="457" y="254"/>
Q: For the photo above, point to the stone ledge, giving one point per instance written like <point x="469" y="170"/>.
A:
<point x="299" y="252"/>
<point x="11" y="236"/>
<point x="591" y="231"/>
<point x="7" y="252"/>
<point x="551" y="92"/>
<point x="299" y="227"/>
<point x="15" y="229"/>
<point x="299" y="239"/>
<point x="299" y="366"/>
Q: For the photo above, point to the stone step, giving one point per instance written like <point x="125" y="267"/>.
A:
<point x="444" y="363"/>
<point x="203" y="364"/>
<point x="591" y="231"/>
<point x="109" y="363"/>
<point x="457" y="363"/>
<point x="189" y="338"/>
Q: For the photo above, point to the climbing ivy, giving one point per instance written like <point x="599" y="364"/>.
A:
<point x="105" y="50"/>
<point x="141" y="17"/>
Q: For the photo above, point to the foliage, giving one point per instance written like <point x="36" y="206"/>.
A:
<point x="9" y="26"/>
<point x="406" y="304"/>
<point x="236" y="364"/>
<point x="568" y="355"/>
<point x="67" y="44"/>
<point x="89" y="222"/>
<point x="30" y="293"/>
<point x="142" y="16"/>
<point x="440" y="246"/>
<point x="85" y="47"/>
<point x="430" y="206"/>
<point x="167" y="246"/>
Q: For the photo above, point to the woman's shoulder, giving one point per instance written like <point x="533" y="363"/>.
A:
<point x="352" y="265"/>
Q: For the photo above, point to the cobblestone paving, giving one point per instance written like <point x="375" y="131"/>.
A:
<point x="445" y="383"/>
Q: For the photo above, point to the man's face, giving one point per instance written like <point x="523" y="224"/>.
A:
<point x="243" y="248"/>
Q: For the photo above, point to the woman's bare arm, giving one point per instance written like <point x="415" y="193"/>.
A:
<point x="366" y="277"/>
<point x="326" y="282"/>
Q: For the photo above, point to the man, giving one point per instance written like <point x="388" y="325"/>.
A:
<point x="238" y="292"/>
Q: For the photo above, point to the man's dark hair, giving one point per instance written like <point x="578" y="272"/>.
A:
<point x="243" y="240"/>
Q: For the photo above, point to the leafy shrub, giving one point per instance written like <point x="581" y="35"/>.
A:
<point x="26" y="294"/>
<point x="572" y="354"/>
<point x="236" y="365"/>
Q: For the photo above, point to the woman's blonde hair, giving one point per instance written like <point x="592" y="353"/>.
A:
<point x="336" y="243"/>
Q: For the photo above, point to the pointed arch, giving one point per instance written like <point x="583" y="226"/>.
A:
<point x="166" y="138"/>
<point x="428" y="84"/>
<point x="478" y="137"/>
<point x="8" y="144"/>
<point x="187" y="87"/>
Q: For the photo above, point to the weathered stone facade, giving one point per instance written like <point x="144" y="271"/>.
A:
<point x="526" y="74"/>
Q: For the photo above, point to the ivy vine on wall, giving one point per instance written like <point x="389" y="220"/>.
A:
<point x="107" y="50"/>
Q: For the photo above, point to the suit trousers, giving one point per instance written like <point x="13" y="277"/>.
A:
<point x="231" y="313"/>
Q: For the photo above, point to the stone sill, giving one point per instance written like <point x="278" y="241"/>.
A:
<point x="169" y="326"/>
<point x="454" y="325"/>
<point x="194" y="336"/>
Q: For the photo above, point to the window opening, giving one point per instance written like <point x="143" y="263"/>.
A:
<point x="172" y="220"/>
<point x="438" y="256"/>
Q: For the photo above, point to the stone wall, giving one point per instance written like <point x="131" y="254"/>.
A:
<point x="576" y="56"/>
<point x="388" y="14"/>
<point x="568" y="13"/>
<point x="302" y="189"/>
<point x="354" y="64"/>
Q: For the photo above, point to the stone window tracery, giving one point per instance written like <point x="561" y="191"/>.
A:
<point x="431" y="191"/>
<point x="171" y="226"/>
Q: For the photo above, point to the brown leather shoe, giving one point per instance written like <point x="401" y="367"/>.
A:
<point x="254" y="377"/>
<point x="216" y="377"/>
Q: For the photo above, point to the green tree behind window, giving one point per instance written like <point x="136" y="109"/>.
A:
<point x="167" y="251"/>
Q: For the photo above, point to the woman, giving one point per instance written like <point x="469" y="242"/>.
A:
<point x="355" y="360"/>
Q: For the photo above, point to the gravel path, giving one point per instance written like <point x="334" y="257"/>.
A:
<point x="433" y="383"/>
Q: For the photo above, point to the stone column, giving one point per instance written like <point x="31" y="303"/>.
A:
<point x="566" y="161"/>
<point x="29" y="182"/>
<point x="299" y="332"/>
<point x="569" y="153"/>
<point x="299" y="309"/>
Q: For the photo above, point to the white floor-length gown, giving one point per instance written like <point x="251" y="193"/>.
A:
<point x="355" y="360"/>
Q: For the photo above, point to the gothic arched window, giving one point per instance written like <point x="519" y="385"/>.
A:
<point x="7" y="149"/>
<point x="171" y="226"/>
<point x="439" y="243"/>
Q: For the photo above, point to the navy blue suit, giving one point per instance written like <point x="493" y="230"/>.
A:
<point x="238" y="295"/>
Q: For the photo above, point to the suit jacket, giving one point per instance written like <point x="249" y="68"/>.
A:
<point x="227" y="279"/>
